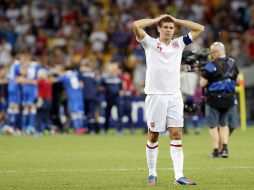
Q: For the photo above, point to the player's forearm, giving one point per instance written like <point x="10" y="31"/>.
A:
<point x="144" y="23"/>
<point x="139" y="25"/>
<point x="190" y="25"/>
<point x="31" y="81"/>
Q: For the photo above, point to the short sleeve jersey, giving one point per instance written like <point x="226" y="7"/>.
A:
<point x="163" y="64"/>
<point x="71" y="83"/>
<point x="15" y="70"/>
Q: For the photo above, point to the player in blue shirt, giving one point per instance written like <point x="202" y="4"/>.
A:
<point x="14" y="92"/>
<point x="29" y="96"/>
<point x="71" y="82"/>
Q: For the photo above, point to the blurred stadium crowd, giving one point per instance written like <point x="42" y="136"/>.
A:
<point x="90" y="35"/>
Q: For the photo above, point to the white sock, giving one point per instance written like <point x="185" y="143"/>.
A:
<point x="151" y="157"/>
<point x="176" y="152"/>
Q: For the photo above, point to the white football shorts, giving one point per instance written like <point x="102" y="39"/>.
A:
<point x="163" y="111"/>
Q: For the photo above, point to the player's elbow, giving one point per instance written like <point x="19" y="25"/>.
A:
<point x="134" y="25"/>
<point x="202" y="28"/>
<point x="199" y="29"/>
<point x="197" y="32"/>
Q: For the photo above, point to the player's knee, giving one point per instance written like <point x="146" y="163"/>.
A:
<point x="175" y="135"/>
<point x="16" y="110"/>
<point x="153" y="136"/>
<point x="25" y="109"/>
<point x="10" y="110"/>
<point x="33" y="111"/>
<point x="13" y="106"/>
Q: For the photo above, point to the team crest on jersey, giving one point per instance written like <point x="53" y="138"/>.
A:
<point x="175" y="44"/>
<point x="152" y="124"/>
<point x="159" y="46"/>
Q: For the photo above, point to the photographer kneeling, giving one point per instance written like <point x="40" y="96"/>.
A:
<point x="219" y="78"/>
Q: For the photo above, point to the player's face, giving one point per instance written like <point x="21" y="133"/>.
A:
<point x="25" y="60"/>
<point x="167" y="30"/>
<point x="113" y="69"/>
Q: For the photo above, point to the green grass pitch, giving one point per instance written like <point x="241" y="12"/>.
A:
<point x="118" y="162"/>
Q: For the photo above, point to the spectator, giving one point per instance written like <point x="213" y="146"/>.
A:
<point x="249" y="39"/>
<point x="5" y="52"/>
<point x="12" y="13"/>
<point x="97" y="38"/>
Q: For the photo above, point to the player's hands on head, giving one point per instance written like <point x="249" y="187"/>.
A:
<point x="173" y="18"/>
<point x="161" y="17"/>
<point x="166" y="15"/>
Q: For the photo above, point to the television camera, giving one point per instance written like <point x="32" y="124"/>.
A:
<point x="196" y="58"/>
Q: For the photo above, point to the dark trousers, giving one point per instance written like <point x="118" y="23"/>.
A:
<point x="90" y="109"/>
<point x="110" y="103"/>
<point x="126" y="106"/>
<point x="43" y="116"/>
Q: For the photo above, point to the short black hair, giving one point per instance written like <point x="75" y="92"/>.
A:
<point x="68" y="67"/>
<point x="163" y="20"/>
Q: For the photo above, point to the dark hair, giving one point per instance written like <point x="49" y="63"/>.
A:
<point x="163" y="20"/>
<point x="68" y="67"/>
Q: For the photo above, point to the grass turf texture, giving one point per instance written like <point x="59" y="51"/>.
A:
<point x="118" y="162"/>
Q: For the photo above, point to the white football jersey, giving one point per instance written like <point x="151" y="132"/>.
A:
<point x="163" y="64"/>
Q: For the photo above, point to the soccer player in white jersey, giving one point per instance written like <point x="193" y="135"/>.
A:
<point x="164" y="103"/>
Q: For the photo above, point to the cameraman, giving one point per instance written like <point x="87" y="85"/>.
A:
<point x="219" y="78"/>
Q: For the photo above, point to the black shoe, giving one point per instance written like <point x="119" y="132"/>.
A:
<point x="224" y="153"/>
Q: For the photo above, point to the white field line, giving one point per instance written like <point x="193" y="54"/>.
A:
<point x="116" y="169"/>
